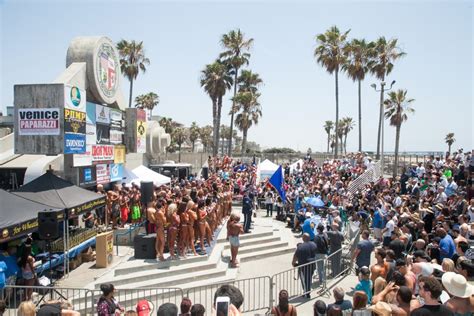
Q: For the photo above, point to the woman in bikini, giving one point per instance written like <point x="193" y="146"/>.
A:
<point x="201" y="222"/>
<point x="192" y="218"/>
<point x="174" y="221"/>
<point x="183" y="229"/>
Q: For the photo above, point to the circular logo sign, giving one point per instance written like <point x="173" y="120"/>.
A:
<point x="5" y="233"/>
<point x="107" y="69"/>
<point x="75" y="96"/>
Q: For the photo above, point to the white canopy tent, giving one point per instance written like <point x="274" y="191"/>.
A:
<point x="295" y="164"/>
<point x="142" y="173"/>
<point x="265" y="170"/>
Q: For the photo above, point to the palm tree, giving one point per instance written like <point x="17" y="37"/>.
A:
<point x="224" y="132"/>
<point x="340" y="134"/>
<point x="358" y="53"/>
<point x="248" y="113"/>
<point x="236" y="55"/>
<point x="385" y="53"/>
<point x="205" y="133"/>
<point x="333" y="142"/>
<point x="348" y="125"/>
<point x="397" y="107"/>
<point x="193" y="133"/>
<point x="132" y="61"/>
<point x="328" y="126"/>
<point x="450" y="141"/>
<point x="179" y="136"/>
<point x="216" y="80"/>
<point x="330" y="54"/>
<point x="147" y="101"/>
<point x="168" y="124"/>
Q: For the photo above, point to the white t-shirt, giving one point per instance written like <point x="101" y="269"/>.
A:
<point x="390" y="227"/>
<point x="420" y="171"/>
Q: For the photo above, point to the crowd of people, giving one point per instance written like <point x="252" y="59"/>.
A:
<point x="418" y="226"/>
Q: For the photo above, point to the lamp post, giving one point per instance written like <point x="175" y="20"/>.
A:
<point x="382" y="90"/>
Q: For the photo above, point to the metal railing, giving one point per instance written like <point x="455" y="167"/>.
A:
<point x="372" y="174"/>
<point x="256" y="293"/>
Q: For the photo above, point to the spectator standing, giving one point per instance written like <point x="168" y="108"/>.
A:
<point x="107" y="304"/>
<point x="363" y="252"/>
<point x="339" y="301"/>
<point x="461" y="291"/>
<point x="365" y="284"/>
<point x="198" y="310"/>
<point x="305" y="253"/>
<point x="430" y="290"/>
<point x="283" y="308"/>
<point x="26" y="308"/>
<point x="185" y="306"/>
<point x="322" y="249"/>
<point x="269" y="200"/>
<point x="387" y="231"/>
<point x="167" y="309"/>
<point x="247" y="211"/>
<point x="335" y="244"/>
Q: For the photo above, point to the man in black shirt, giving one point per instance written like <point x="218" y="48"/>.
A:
<point x="397" y="246"/>
<point x="430" y="291"/>
<point x="305" y="253"/>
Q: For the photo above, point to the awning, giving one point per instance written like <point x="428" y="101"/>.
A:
<point x="23" y="161"/>
<point x="53" y="191"/>
<point x="19" y="216"/>
<point x="143" y="173"/>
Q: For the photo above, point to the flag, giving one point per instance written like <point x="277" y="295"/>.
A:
<point x="277" y="181"/>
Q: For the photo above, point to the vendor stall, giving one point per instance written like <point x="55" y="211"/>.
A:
<point x="58" y="193"/>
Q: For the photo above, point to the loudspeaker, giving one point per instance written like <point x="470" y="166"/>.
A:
<point x="144" y="246"/>
<point x="146" y="189"/>
<point x="205" y="173"/>
<point x="48" y="226"/>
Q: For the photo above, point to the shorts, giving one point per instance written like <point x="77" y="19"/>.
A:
<point x="386" y="241"/>
<point x="28" y="275"/>
<point x="136" y="212"/>
<point x="124" y="214"/>
<point x="234" y="241"/>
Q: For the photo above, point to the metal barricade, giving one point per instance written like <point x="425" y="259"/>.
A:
<point x="256" y="294"/>
<point x="299" y="281"/>
<point x="14" y="295"/>
<point x="128" y="298"/>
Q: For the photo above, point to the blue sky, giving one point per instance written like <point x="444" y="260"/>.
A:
<point x="298" y="95"/>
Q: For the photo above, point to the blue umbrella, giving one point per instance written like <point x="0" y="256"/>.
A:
<point x="314" y="201"/>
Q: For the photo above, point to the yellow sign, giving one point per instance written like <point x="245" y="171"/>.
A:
<point x="119" y="154"/>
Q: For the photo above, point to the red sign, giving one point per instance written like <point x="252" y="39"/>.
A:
<point x="102" y="153"/>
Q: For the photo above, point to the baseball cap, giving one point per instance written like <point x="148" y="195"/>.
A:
<point x="143" y="308"/>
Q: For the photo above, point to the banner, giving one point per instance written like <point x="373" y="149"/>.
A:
<point x="119" y="154"/>
<point x="115" y="137"/>
<point x="38" y="121"/>
<point x="116" y="172"/>
<point x="102" y="174"/>
<point x="74" y="143"/>
<point x="74" y="121"/>
<point x="141" y="131"/>
<point x="74" y="98"/>
<point x="116" y="119"/>
<point x="102" y="114"/>
<point x="103" y="134"/>
<point x="87" y="176"/>
<point x="81" y="160"/>
<point x="102" y="153"/>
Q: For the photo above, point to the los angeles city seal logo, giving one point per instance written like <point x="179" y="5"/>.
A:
<point x="107" y="69"/>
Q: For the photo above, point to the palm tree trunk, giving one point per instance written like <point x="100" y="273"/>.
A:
<point x="337" y="111"/>
<point x="193" y="146"/>
<point x="179" y="153"/>
<point x="222" y="145"/>
<point x="345" y="144"/>
<point x="449" y="149"/>
<point x="329" y="136"/>
<point x="379" y="133"/>
<point x="360" y="120"/>
<point x="219" y="110"/>
<point x="215" y="132"/>
<point x="131" y="93"/>
<point x="397" y="141"/>
<point x="229" y="153"/>
<point x="244" y="141"/>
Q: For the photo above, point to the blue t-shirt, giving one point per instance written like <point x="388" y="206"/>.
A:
<point x="308" y="229"/>
<point x="3" y="268"/>
<point x="447" y="247"/>
<point x="366" y="286"/>
<point x="378" y="220"/>
<point x="12" y="266"/>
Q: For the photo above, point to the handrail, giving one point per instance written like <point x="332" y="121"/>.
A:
<point x="131" y="229"/>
